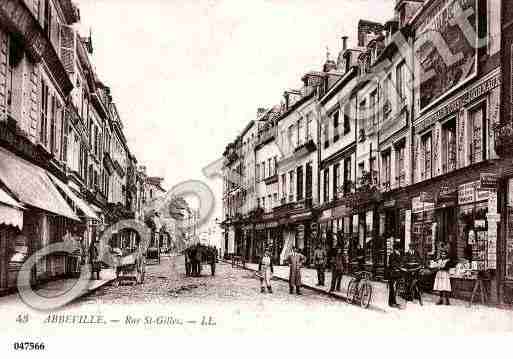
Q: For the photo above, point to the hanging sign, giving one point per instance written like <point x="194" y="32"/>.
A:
<point x="489" y="180"/>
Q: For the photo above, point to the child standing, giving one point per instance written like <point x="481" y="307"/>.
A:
<point x="265" y="267"/>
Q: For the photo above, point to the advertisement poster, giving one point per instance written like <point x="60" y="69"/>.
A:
<point x="446" y="57"/>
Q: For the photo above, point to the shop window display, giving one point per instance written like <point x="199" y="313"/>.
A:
<point x="473" y="235"/>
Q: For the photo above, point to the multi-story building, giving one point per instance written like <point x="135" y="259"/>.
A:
<point x="57" y="122"/>
<point x="413" y="144"/>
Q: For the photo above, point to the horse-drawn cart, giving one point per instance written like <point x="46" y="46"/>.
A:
<point x="130" y="268"/>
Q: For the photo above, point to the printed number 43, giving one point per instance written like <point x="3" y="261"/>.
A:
<point x="22" y="318"/>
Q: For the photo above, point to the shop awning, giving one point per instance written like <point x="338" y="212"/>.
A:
<point x="32" y="186"/>
<point x="79" y="202"/>
<point x="11" y="211"/>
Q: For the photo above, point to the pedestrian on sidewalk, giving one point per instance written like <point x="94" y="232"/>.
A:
<point x="188" y="265"/>
<point x="198" y="257"/>
<point x="393" y="274"/>
<point x="295" y="260"/>
<point x="94" y="260"/>
<point x="213" y="260"/>
<point x="337" y="270"/>
<point x="266" y="270"/>
<point x="320" y="263"/>
<point x="442" y="280"/>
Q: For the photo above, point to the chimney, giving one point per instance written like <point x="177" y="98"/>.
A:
<point x="344" y="43"/>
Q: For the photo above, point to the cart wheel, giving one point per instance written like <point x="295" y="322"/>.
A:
<point x="365" y="295"/>
<point x="400" y="291"/>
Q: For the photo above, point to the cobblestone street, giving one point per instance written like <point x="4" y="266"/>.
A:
<point x="166" y="283"/>
<point x="233" y="297"/>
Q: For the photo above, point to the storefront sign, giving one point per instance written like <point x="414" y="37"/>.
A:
<point x="419" y="206"/>
<point x="456" y="105"/>
<point x="426" y="197"/>
<point x="489" y="180"/>
<point x="341" y="211"/>
<point x="439" y="77"/>
<point x="470" y="193"/>
<point x="272" y="224"/>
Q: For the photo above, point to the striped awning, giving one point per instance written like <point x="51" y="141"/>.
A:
<point x="79" y="202"/>
<point x="32" y="186"/>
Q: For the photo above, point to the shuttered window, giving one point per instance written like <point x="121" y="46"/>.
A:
<point x="43" y="130"/>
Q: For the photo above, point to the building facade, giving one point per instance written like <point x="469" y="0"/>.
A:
<point x="57" y="124"/>
<point x="411" y="146"/>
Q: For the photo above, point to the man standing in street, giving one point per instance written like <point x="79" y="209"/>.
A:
<point x="337" y="270"/>
<point x="295" y="261"/>
<point x="393" y="274"/>
<point x="320" y="263"/>
<point x="94" y="260"/>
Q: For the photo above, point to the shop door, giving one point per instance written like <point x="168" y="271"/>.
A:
<point x="446" y="228"/>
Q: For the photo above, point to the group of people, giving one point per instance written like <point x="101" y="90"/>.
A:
<point x="295" y="260"/>
<point x="195" y="255"/>
<point x="400" y="266"/>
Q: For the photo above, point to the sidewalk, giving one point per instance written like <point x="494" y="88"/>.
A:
<point x="379" y="299"/>
<point x="53" y="288"/>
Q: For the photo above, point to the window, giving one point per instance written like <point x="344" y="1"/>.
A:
<point x="400" y="151"/>
<point x="373" y="108"/>
<point x="290" y="136"/>
<point x="326" y="194"/>
<point x="373" y="171"/>
<point x="299" y="186"/>
<point x="284" y="186"/>
<point x="347" y="119"/>
<point x="269" y="168"/>
<point x="361" y="169"/>
<point x="401" y="84"/>
<point x="47" y="20"/>
<point x="347" y="175"/>
<point x="275" y="199"/>
<point x="291" y="186"/>
<point x="363" y="118"/>
<point x="336" y="135"/>
<point x="336" y="179"/>
<point x="387" y="108"/>
<point x="64" y="137"/>
<point x="309" y="180"/>
<point x="386" y="161"/>
<point x="326" y="133"/>
<point x="426" y="169"/>
<point x="269" y="202"/>
<point x="308" y="134"/>
<point x="263" y="203"/>
<point x="476" y="135"/>
<point x="43" y="135"/>
<point x="300" y="132"/>
<point x="53" y="127"/>
<point x="275" y="165"/>
<point x="449" y="146"/>
<point x="257" y="172"/>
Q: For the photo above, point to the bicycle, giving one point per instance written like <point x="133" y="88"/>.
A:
<point x="359" y="289"/>
<point x="414" y="291"/>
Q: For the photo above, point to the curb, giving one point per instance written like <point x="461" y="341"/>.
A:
<point x="338" y="296"/>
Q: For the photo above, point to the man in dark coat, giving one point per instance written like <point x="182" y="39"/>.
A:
<point x="94" y="260"/>
<point x="393" y="274"/>
<point x="337" y="270"/>
<point x="187" y="263"/>
<point x="320" y="263"/>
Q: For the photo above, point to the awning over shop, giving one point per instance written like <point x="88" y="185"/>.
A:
<point x="79" y="202"/>
<point x="11" y="211"/>
<point x="32" y="185"/>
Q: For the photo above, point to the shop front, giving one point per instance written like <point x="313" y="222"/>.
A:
<point x="336" y="226"/>
<point x="460" y="214"/>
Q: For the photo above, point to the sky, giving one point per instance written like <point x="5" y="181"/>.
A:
<point x="188" y="75"/>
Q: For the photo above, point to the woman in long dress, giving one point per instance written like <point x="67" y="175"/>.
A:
<point x="442" y="279"/>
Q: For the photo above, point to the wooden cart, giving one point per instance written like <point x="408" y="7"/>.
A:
<point x="130" y="268"/>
